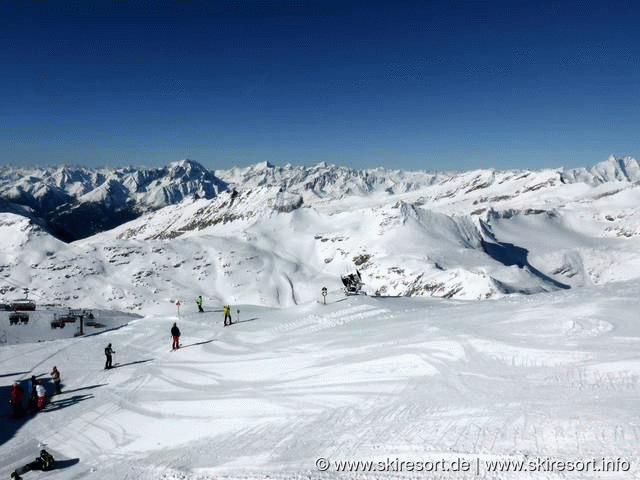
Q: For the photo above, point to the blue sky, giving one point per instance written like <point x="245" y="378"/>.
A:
<point x="435" y="85"/>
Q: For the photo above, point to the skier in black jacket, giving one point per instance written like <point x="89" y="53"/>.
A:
<point x="175" y="335"/>
<point x="108" y="352"/>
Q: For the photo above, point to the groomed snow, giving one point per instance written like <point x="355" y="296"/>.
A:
<point x="551" y="377"/>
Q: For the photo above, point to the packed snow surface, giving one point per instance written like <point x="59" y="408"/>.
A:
<point x="551" y="377"/>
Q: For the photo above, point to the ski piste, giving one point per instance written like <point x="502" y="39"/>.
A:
<point x="548" y="373"/>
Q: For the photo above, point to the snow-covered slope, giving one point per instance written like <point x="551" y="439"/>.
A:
<point x="530" y="357"/>
<point x="288" y="393"/>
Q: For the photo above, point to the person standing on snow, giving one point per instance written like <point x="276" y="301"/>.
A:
<point x="17" y="396"/>
<point x="227" y="315"/>
<point x="108" y="353"/>
<point x="40" y="392"/>
<point x="32" y="400"/>
<point x="175" y="336"/>
<point x="55" y="376"/>
<point x="199" y="303"/>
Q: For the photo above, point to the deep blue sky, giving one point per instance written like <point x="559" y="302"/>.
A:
<point x="436" y="85"/>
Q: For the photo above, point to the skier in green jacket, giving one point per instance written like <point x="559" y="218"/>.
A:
<point x="199" y="303"/>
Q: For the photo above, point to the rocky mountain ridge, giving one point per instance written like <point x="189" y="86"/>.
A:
<point x="273" y="235"/>
<point x="73" y="203"/>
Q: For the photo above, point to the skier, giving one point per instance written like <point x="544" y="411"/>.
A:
<point x="199" y="303"/>
<point x="32" y="401"/>
<point x="175" y="335"/>
<point x="40" y="392"/>
<point x="17" y="396"/>
<point x="227" y="315"/>
<point x="55" y="376"/>
<point x="108" y="352"/>
<point x="44" y="462"/>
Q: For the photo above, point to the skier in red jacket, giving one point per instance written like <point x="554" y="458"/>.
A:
<point x="17" y="397"/>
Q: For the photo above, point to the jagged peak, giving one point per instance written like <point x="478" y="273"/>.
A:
<point x="263" y="166"/>
<point x="615" y="168"/>
<point x="186" y="166"/>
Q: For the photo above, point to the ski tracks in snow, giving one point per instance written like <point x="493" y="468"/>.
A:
<point x="315" y="322"/>
<point x="360" y="379"/>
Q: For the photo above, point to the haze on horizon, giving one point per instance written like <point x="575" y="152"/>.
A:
<point x="439" y="85"/>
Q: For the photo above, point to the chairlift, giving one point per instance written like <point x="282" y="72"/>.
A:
<point x="23" y="305"/>
<point x="18" y="317"/>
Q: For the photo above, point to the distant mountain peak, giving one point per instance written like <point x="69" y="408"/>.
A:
<point x="621" y="169"/>
<point x="78" y="202"/>
<point x="186" y="163"/>
<point x="263" y="166"/>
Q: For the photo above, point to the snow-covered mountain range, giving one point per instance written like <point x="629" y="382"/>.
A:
<point x="275" y="235"/>
<point x="73" y="203"/>
<point x="536" y="373"/>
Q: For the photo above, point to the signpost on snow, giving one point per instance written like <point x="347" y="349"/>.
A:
<point x="238" y="312"/>
<point x="178" y="303"/>
<point x="324" y="295"/>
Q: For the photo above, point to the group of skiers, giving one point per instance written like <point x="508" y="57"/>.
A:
<point x="226" y="310"/>
<point x="175" y="331"/>
<point x="35" y="395"/>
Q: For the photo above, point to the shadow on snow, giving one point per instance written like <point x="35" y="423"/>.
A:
<point x="509" y="254"/>
<point x="118" y="365"/>
<point x="198" y="343"/>
<point x="11" y="425"/>
<point x="247" y="320"/>
<point x="60" y="464"/>
<point x="12" y="374"/>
